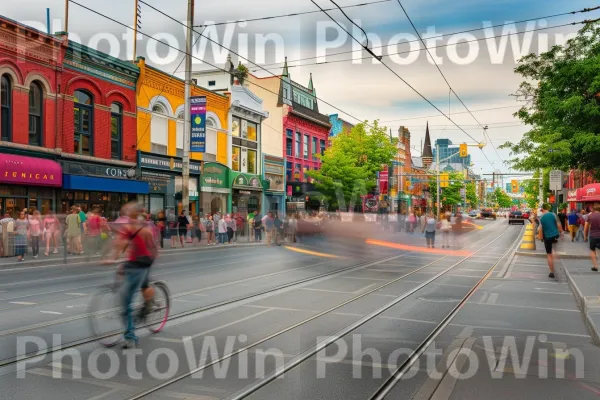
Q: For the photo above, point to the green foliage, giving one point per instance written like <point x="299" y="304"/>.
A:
<point x="451" y="194"/>
<point x="503" y="199"/>
<point x="563" y="206"/>
<point x="349" y="166"/>
<point x="562" y="104"/>
<point x="531" y="190"/>
<point x="241" y="73"/>
<point x="472" y="196"/>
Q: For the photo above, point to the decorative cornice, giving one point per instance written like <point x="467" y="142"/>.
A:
<point x="101" y="107"/>
<point x="130" y="114"/>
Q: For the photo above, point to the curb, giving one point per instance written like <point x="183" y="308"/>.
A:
<point x="542" y="255"/>
<point x="580" y="299"/>
<point x="82" y="259"/>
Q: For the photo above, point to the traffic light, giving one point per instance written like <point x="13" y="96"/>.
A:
<point x="444" y="180"/>
<point x="463" y="151"/>
<point x="407" y="185"/>
<point x="515" y="186"/>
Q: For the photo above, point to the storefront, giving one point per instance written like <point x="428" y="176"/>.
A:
<point x="94" y="185"/>
<point x="163" y="175"/>
<point x="215" y="190"/>
<point x="589" y="195"/>
<point x="302" y="197"/>
<point x="247" y="192"/>
<point x="28" y="182"/>
<point x="274" y="177"/>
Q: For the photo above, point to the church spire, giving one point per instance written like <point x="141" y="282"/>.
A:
<point x="285" y="72"/>
<point x="427" y="155"/>
<point x="310" y="84"/>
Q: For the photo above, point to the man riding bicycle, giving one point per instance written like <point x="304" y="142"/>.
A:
<point x="135" y="236"/>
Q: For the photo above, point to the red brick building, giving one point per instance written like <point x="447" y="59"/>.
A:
<point x="68" y="127"/>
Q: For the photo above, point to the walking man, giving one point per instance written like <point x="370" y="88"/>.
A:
<point x="592" y="233"/>
<point x="573" y="224"/>
<point x="549" y="231"/>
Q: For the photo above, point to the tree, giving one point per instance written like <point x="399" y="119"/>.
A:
<point x="503" y="199"/>
<point x="561" y="92"/>
<point x="349" y="166"/>
<point x="472" y="196"/>
<point x="450" y="195"/>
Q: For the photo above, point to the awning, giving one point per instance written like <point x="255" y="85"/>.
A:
<point x="80" y="182"/>
<point x="29" y="171"/>
<point x="589" y="193"/>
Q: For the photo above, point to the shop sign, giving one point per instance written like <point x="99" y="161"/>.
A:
<point x="29" y="171"/>
<point x="166" y="163"/>
<point x="273" y="169"/>
<point x="572" y="195"/>
<point x="247" y="181"/>
<point x="198" y="121"/>
<point x="589" y="193"/>
<point x="83" y="168"/>
<point x="157" y="182"/>
<point x="276" y="182"/>
<point x="214" y="175"/>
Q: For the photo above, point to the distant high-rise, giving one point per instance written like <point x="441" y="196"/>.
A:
<point x="449" y="153"/>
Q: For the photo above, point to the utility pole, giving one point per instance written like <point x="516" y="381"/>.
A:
<point x="485" y="193"/>
<point x="437" y="170"/>
<point x="136" y="21"/>
<point x="185" y="175"/>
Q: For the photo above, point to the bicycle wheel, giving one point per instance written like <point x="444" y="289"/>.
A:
<point x="106" y="316"/>
<point x="157" y="318"/>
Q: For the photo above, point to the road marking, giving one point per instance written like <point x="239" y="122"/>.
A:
<point x="545" y="290"/>
<point x="526" y="307"/>
<point x="77" y="306"/>
<point x="105" y="394"/>
<point x="61" y="366"/>
<point x="310" y="252"/>
<point x="51" y="312"/>
<point x="277" y="308"/>
<point x="184" y="301"/>
<point x="365" y="279"/>
<point x="325" y="290"/>
<point x="22" y="303"/>
<point x="492" y="298"/>
<point x="446" y="386"/>
<point x="213" y="329"/>
<point x="483" y="298"/>
<point x="200" y="294"/>
<point x="76" y="294"/>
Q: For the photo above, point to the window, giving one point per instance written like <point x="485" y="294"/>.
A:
<point x="179" y="134"/>
<point x="212" y="83"/>
<point x="322" y="144"/>
<point x="289" y="145"/>
<point x="5" y="108"/>
<point x="235" y="158"/>
<point x="315" y="149"/>
<point x="297" y="176"/>
<point x="309" y="104"/>
<point x="251" y="161"/>
<point x="304" y="170"/>
<point x="285" y="93"/>
<point x="159" y="130"/>
<point x="288" y="171"/>
<point x="306" y="141"/>
<point x="235" y="127"/>
<point x="298" y="140"/>
<point x="35" y="114"/>
<point x="252" y="129"/>
<point x="211" y="122"/>
<point x="84" y="123"/>
<point x="116" y="128"/>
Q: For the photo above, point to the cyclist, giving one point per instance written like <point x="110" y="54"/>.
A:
<point x="136" y="237"/>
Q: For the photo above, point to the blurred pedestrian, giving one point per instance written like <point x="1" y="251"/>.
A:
<point x="429" y="228"/>
<point x="21" y="236"/>
<point x="35" y="231"/>
<point x="209" y="228"/>
<point x="412" y="222"/>
<point x="239" y="225"/>
<point x="592" y="233"/>
<point x="231" y="226"/>
<point x="278" y="229"/>
<point x="94" y="230"/>
<point x="257" y="226"/>
<point x="182" y="227"/>
<point x="172" y="231"/>
<point x="445" y="228"/>
<point x="573" y="224"/>
<point x="562" y="217"/>
<point x="222" y="227"/>
<point x="550" y="231"/>
<point x="582" y="221"/>
<point x="251" y="232"/>
<point x="73" y="232"/>
<point x="269" y="226"/>
<point x="161" y="222"/>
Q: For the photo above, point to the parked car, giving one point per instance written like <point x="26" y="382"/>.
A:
<point x="516" y="217"/>
<point x="474" y="214"/>
<point x="526" y="214"/>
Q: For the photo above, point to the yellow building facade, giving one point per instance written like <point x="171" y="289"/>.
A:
<point x="160" y="96"/>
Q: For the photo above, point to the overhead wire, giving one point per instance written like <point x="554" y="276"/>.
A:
<point x="288" y="15"/>
<point x="197" y="58"/>
<point x="456" y="33"/>
<point x="434" y="116"/>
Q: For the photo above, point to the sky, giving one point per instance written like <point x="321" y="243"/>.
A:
<point x="481" y="71"/>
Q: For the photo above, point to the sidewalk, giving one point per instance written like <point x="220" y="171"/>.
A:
<point x="60" y="258"/>
<point x="564" y="249"/>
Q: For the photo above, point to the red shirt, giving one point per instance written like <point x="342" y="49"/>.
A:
<point x="138" y="247"/>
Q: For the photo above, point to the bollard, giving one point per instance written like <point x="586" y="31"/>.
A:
<point x="528" y="242"/>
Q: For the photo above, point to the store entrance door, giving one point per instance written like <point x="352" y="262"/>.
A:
<point x="12" y="205"/>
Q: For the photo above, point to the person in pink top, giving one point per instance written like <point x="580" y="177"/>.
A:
<point x="35" y="231"/>
<point x="52" y="232"/>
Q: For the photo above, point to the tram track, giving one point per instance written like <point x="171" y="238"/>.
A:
<point x="304" y="356"/>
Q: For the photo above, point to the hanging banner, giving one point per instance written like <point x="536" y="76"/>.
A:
<point x="244" y="158"/>
<point x="198" y="117"/>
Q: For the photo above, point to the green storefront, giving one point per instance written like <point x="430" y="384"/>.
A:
<point x="246" y="192"/>
<point x="215" y="188"/>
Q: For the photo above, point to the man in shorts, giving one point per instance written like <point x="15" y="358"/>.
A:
<point x="550" y="231"/>
<point x="592" y="234"/>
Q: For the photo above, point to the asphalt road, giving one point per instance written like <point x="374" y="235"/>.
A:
<point x="379" y="301"/>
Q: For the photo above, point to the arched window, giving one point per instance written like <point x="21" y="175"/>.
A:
<point x="116" y="129"/>
<point x="36" y="98"/>
<point x="159" y="109"/>
<point x="159" y="129"/>
<point x="84" y="123"/>
<point x="5" y="108"/>
<point x="211" y="122"/>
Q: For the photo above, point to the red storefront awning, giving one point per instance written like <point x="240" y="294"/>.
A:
<point x="589" y="193"/>
<point x="29" y="171"/>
